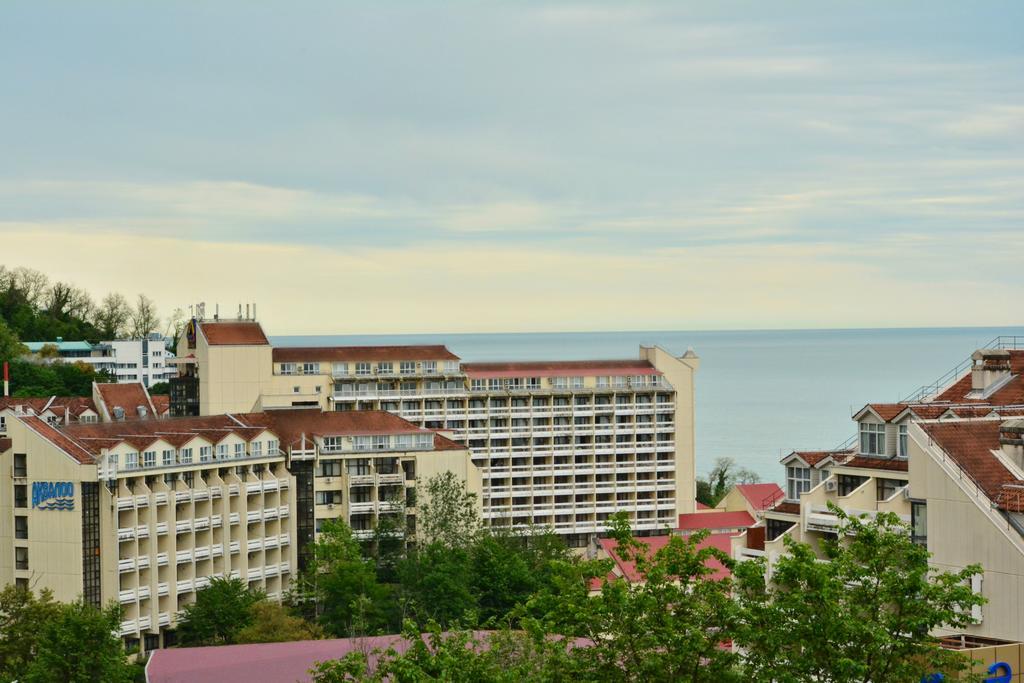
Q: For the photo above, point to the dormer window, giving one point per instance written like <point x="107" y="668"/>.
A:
<point x="872" y="438"/>
<point x="385" y="368"/>
<point x="798" y="482"/>
<point x="904" y="442"/>
<point x="363" y="369"/>
<point x="310" y="368"/>
<point x="407" y="367"/>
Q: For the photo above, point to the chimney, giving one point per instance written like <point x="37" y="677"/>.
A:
<point x="1011" y="440"/>
<point x="118" y="413"/>
<point x="989" y="371"/>
<point x="141" y="410"/>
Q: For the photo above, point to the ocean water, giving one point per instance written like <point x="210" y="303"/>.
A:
<point x="760" y="394"/>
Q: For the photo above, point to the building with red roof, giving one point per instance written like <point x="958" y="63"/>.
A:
<point x="146" y="511"/>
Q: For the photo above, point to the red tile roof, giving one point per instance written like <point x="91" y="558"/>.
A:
<point x="760" y="495"/>
<point x="715" y="520"/>
<point x="786" y="508"/>
<point x="629" y="571"/>
<point x="887" y="411"/>
<point x="236" y="333"/>
<point x="162" y="403"/>
<point x="76" y="405"/>
<point x="702" y="506"/>
<point x="69" y="445"/>
<point x="868" y="462"/>
<point x="581" y="368"/>
<point x="129" y="397"/>
<point x="813" y="458"/>
<point x="298" y="354"/>
<point x="290" y="425"/>
<point x="1010" y="394"/>
<point x="970" y="444"/>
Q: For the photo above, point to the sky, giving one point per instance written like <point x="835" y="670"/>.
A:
<point x="478" y="167"/>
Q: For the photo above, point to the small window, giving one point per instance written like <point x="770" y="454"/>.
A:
<point x="407" y="367"/>
<point x="359" y="466"/>
<point x="205" y="453"/>
<point x="256" y="447"/>
<point x="168" y="458"/>
<point x="919" y="522"/>
<point x="310" y="368"/>
<point x="385" y="368"/>
<point x="339" y="369"/>
<point x="21" y="558"/>
<point x="185" y="456"/>
<point x="239" y="450"/>
<point x="131" y="460"/>
<point x="288" y="369"/>
<point x="363" y="369"/>
<point x="430" y="367"/>
<point x="328" y="497"/>
<point x="149" y="459"/>
<point x="20" y="465"/>
<point x="21" y="527"/>
<point x="330" y="468"/>
<point x="451" y="367"/>
<point x="798" y="482"/>
<point x="904" y="441"/>
<point x="872" y="438"/>
<point x="272" y="446"/>
<point x="222" y="451"/>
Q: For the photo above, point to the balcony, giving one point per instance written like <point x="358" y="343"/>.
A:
<point x="145" y="623"/>
<point x="144" y="593"/>
<point x="202" y="553"/>
<point x="201" y="523"/>
<point x="201" y="494"/>
<point x="125" y="597"/>
<point x="233" y="518"/>
<point x="283" y="511"/>
<point x="285" y="539"/>
<point x="255" y="574"/>
<point x="163" y="619"/>
<point x="284" y="483"/>
<point x="143" y="562"/>
<point x="161" y="528"/>
<point x="359" y="508"/>
<point x="161" y="559"/>
<point x="127" y="565"/>
<point x="141" y="501"/>
<point x="126" y="503"/>
<point x="216" y="521"/>
<point x="285" y="568"/>
<point x="142" y="531"/>
<point x="126" y="533"/>
<point x="183" y="526"/>
<point x="183" y="556"/>
<point x="252" y="489"/>
<point x="255" y="545"/>
<point x="232" y="489"/>
<point x="162" y="589"/>
<point x="234" y="547"/>
<point x="186" y="586"/>
<point x="183" y="497"/>
<point x="217" y="550"/>
<point x="254" y="516"/>
<point x="128" y="627"/>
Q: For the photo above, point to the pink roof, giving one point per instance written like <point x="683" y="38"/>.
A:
<point x="702" y="506"/>
<point x="715" y="520"/>
<point x="628" y="570"/>
<point x="760" y="495"/>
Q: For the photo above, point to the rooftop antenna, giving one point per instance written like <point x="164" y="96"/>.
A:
<point x="216" y="311"/>
<point x="253" y="310"/>
<point x="247" y="312"/>
<point x="239" y="310"/>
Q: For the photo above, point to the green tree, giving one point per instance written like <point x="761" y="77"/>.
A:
<point x="436" y="583"/>
<point x="341" y="584"/>
<point x="667" y="626"/>
<point x="866" y="614"/>
<point x="271" y="622"/>
<point x="219" y="612"/>
<point x="722" y="477"/>
<point x="449" y="514"/>
<point x="80" y="645"/>
<point x="22" y="618"/>
<point x="10" y="347"/>
<point x="112" y="316"/>
<point x="160" y="388"/>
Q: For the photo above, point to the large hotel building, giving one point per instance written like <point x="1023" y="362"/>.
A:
<point x="106" y="498"/>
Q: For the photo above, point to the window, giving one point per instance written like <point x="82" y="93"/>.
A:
<point x="560" y="382"/>
<point x="131" y="460"/>
<point x="363" y="368"/>
<point x="21" y="527"/>
<point x="272" y="446"/>
<point x="381" y="442"/>
<point x="167" y="458"/>
<point x="425" y="440"/>
<point x="3" y="423"/>
<point x="495" y="384"/>
<point x="288" y="369"/>
<point x="205" y="453"/>
<point x="478" y="385"/>
<point x="451" y="367"/>
<point x="385" y="368"/>
<point x="21" y="558"/>
<point x="576" y="382"/>
<point x="798" y="481"/>
<point x="239" y="450"/>
<point x="310" y="368"/>
<point x="407" y="367"/>
<point x="359" y="466"/>
<point x="149" y="459"/>
<point x="328" y="497"/>
<point x="222" y="451"/>
<point x="21" y="495"/>
<point x="775" y="528"/>
<point x="887" y="488"/>
<point x="185" y="456"/>
<point x="903" y="444"/>
<point x="430" y="367"/>
<point x="849" y="483"/>
<point x="361" y="443"/>
<point x="330" y="469"/>
<point x="339" y="369"/>
<point x="872" y="438"/>
<point x="20" y="465"/>
<point x="919" y="522"/>
<point x="405" y="441"/>
<point x="256" y="448"/>
<point x="360" y="495"/>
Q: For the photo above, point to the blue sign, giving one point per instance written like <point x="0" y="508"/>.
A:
<point x="53" y="495"/>
<point x="1003" y="674"/>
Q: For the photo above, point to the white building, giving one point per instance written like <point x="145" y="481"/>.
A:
<point x="127" y="360"/>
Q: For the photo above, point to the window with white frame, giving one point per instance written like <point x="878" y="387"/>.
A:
<point x="385" y="368"/>
<point x="381" y="442"/>
<point x="272" y="446"/>
<point x="362" y="443"/>
<point x="239" y="450"/>
<point x="798" y="481"/>
<point x="359" y="466"/>
<point x="407" y="367"/>
<point x="205" y="453"/>
<point x="185" y="456"/>
<point x="168" y="457"/>
<point x="310" y="368"/>
<point x="533" y="382"/>
<point x="328" y="497"/>
<point x="425" y="440"/>
<point x="429" y="367"/>
<point x="256" y="448"/>
<point x="222" y="451"/>
<point x="603" y="382"/>
<point x="405" y="441"/>
<point x="332" y="443"/>
<point x="339" y="369"/>
<point x="872" y="438"/>
<point x="149" y="459"/>
<point x="477" y="385"/>
<point x="330" y="468"/>
<point x="904" y="441"/>
<point x="495" y="384"/>
<point x="131" y="460"/>
<point x="363" y="369"/>
<point x="560" y="382"/>
<point x="451" y="367"/>
<point x="576" y="383"/>
<point x="288" y="369"/>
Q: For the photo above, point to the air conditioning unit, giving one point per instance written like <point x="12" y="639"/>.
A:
<point x="330" y="506"/>
<point x="906" y="493"/>
<point x="831" y="484"/>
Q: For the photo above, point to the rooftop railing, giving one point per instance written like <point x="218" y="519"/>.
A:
<point x="1003" y="341"/>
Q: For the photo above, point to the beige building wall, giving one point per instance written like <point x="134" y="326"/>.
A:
<point x="680" y="374"/>
<point x="964" y="529"/>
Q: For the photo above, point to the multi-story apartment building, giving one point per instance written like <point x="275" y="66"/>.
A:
<point x="146" y="511"/>
<point x="948" y="460"/>
<point x="125" y="360"/>
<point x="561" y="444"/>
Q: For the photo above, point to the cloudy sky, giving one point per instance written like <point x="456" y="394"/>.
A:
<point x="447" y="166"/>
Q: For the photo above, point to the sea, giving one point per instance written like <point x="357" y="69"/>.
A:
<point x="760" y="394"/>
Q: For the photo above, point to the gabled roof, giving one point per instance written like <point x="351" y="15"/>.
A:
<point x="884" y="411"/>
<point x="72" y="447"/>
<point x="128" y="396"/>
<point x="715" y="520"/>
<point x="568" y="368"/>
<point x="298" y="354"/>
<point x="970" y="443"/>
<point x="161" y="402"/>
<point x="1012" y="393"/>
<point x="233" y="333"/>
<point x="759" y="495"/>
<point x="816" y="459"/>
<point x="629" y="571"/>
